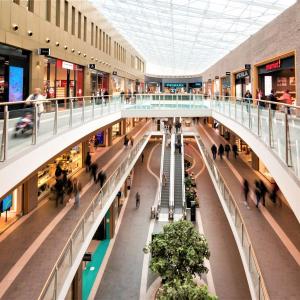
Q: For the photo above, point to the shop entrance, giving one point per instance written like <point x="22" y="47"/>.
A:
<point x="242" y="83"/>
<point x="99" y="82"/>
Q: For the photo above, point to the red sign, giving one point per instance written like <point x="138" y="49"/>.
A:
<point x="273" y="66"/>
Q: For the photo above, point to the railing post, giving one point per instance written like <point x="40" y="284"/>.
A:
<point x="235" y="109"/>
<point x="102" y="107"/>
<point x="249" y="113"/>
<point x="242" y="106"/>
<point x="55" y="117"/>
<point x="71" y="250"/>
<point x="286" y="138"/>
<point x="242" y="234"/>
<point x="270" y="126"/>
<point x="258" y="120"/>
<point x="55" y="283"/>
<point x="71" y="113"/>
<point x="93" y="107"/>
<point x="4" y="142"/>
<point x="83" y="109"/>
<point x="35" y="124"/>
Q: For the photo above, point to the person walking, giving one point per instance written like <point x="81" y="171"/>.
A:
<point x="263" y="192"/>
<point x="246" y="191"/>
<point x="142" y="157"/>
<point x="131" y="141"/>
<point x="137" y="200"/>
<point x="227" y="150"/>
<point x="88" y="162"/>
<point x="76" y="191"/>
<point x="273" y="193"/>
<point x="257" y="192"/>
<point x="235" y="150"/>
<point x="221" y="151"/>
<point x="164" y="179"/>
<point x="94" y="169"/>
<point x="37" y="96"/>
<point x="273" y="98"/>
<point x="59" y="189"/>
<point x="214" y="151"/>
<point x="126" y="140"/>
<point x="101" y="178"/>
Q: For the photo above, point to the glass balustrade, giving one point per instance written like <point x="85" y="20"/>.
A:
<point x="83" y="230"/>
<point x="242" y="234"/>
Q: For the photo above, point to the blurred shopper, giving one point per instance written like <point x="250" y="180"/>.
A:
<point x="273" y="98"/>
<point x="106" y="97"/>
<point x="221" y="151"/>
<point x="59" y="189"/>
<point x="214" y="151"/>
<point x="126" y="141"/>
<point x="37" y="96"/>
<point x="101" y="178"/>
<point x="287" y="99"/>
<point x="58" y="171"/>
<point x="263" y="192"/>
<point x="94" y="169"/>
<point x="257" y="192"/>
<point x="248" y="99"/>
<point x="142" y="157"/>
<point x="131" y="141"/>
<point x="137" y="200"/>
<point x="88" y="162"/>
<point x="164" y="179"/>
<point x="227" y="150"/>
<point x="246" y="191"/>
<point x="76" y="191"/>
<point x="235" y="150"/>
<point x="273" y="193"/>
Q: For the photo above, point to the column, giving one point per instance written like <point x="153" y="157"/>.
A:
<point x="109" y="136"/>
<point x="133" y="122"/>
<point x="30" y="194"/>
<point x="36" y="72"/>
<point x="87" y="91"/>
<point x="123" y="127"/>
<point x="77" y="283"/>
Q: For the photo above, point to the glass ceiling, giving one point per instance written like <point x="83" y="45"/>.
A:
<point x="185" y="37"/>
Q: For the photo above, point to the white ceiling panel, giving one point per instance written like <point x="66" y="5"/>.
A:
<point x="184" y="37"/>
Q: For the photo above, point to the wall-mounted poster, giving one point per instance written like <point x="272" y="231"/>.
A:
<point x="15" y="83"/>
<point x="292" y="80"/>
<point x="6" y="203"/>
<point x="281" y="81"/>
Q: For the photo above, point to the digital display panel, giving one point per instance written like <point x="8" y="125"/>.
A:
<point x="6" y="203"/>
<point x="16" y="75"/>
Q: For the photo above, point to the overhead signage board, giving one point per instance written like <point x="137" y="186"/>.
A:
<point x="242" y="74"/>
<point x="92" y="66"/>
<point x="273" y="65"/>
<point x="228" y="73"/>
<point x="67" y="65"/>
<point x="247" y="66"/>
<point x="44" y="51"/>
<point x="115" y="73"/>
<point x="175" y="85"/>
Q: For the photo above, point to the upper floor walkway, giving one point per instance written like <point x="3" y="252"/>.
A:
<point x="274" y="135"/>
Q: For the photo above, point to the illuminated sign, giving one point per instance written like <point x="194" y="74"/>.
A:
<point x="242" y="74"/>
<point x="67" y="65"/>
<point x="273" y="66"/>
<point x="175" y="85"/>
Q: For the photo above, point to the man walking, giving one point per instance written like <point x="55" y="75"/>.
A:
<point x="221" y="151"/>
<point x="137" y="200"/>
<point x="214" y="151"/>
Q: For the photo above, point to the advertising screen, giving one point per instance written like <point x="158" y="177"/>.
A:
<point x="15" y="83"/>
<point x="100" y="137"/>
<point x="6" y="203"/>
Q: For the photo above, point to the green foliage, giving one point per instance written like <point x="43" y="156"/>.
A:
<point x="186" y="290"/>
<point x="188" y="182"/>
<point x="178" y="252"/>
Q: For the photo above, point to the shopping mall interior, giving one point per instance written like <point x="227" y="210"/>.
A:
<point x="149" y="149"/>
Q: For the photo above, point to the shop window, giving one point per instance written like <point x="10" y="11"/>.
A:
<point x="96" y="37"/>
<point x="70" y="162"/>
<point x="66" y="16"/>
<point x="73" y="21"/>
<point x="100" y="39"/>
<point x="103" y="43"/>
<point x="84" y="28"/>
<point x="30" y="5"/>
<point x="79" y="25"/>
<point x="48" y="10"/>
<point x="58" y="13"/>
<point x="109" y="46"/>
<point x="92" y="34"/>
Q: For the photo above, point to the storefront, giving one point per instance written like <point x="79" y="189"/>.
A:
<point x="225" y="86"/>
<point x="116" y="131"/>
<point x="195" y="87"/>
<point x="62" y="79"/>
<point x="11" y="208"/>
<point x="242" y="83"/>
<point x="70" y="161"/>
<point x="172" y="88"/>
<point x="278" y="75"/>
<point x="129" y="86"/>
<point x="99" y="81"/>
<point x="118" y="84"/>
<point x="217" y="87"/>
<point x="14" y="74"/>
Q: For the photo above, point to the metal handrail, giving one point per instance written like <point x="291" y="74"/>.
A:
<point x="161" y="170"/>
<point x="238" y="212"/>
<point x="86" y="214"/>
<point x="172" y="171"/>
<point x="183" y="171"/>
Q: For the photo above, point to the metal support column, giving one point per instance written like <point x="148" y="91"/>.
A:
<point x="35" y="124"/>
<point x="55" y="117"/>
<point x="4" y="142"/>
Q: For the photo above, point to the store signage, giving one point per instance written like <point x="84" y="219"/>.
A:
<point x="228" y="73"/>
<point x="67" y="65"/>
<point x="87" y="256"/>
<point x="209" y="80"/>
<point x="242" y="74"/>
<point x="115" y="73"/>
<point x="217" y="77"/>
<point x="274" y="65"/>
<point x="92" y="66"/>
<point x="44" y="51"/>
<point x="6" y="203"/>
<point x="175" y="85"/>
<point x="247" y="66"/>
